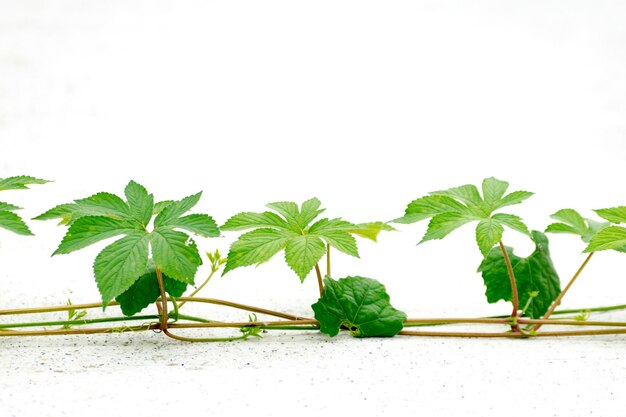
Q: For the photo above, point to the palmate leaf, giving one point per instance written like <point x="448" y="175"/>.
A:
<point x="359" y="304"/>
<point x="119" y="265"/>
<point x="570" y="221"/>
<point x="145" y="291"/>
<point x="290" y="228"/>
<point x="9" y="220"/>
<point x="536" y="277"/>
<point x="452" y="208"/>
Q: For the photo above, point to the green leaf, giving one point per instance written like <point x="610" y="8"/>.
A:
<point x="104" y="204"/>
<point x="445" y="223"/>
<point x="176" y="254"/>
<point x="466" y="193"/>
<point x="14" y="223"/>
<point x="536" y="273"/>
<point x="140" y="202"/>
<point x="248" y="220"/>
<point x="158" y="207"/>
<point x="574" y="223"/>
<point x="511" y="221"/>
<point x="493" y="190"/>
<point x="515" y="197"/>
<point x="256" y="247"/>
<point x="176" y="209"/>
<point x="290" y="212"/>
<point x="488" y="233"/>
<point x="613" y="237"/>
<point x="65" y="212"/>
<point x="614" y="215"/>
<point x="335" y="233"/>
<point x="310" y="209"/>
<point x="145" y="291"/>
<point x="303" y="252"/>
<point x="359" y="304"/>
<point x="19" y="182"/>
<point x="572" y="218"/>
<point x="371" y="230"/>
<point x="429" y="206"/>
<point x="8" y="207"/>
<point x="199" y="224"/>
<point x="120" y="264"/>
<point x="92" y="229"/>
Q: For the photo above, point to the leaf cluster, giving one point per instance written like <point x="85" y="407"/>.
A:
<point x="9" y="220"/>
<point x="452" y="208"/>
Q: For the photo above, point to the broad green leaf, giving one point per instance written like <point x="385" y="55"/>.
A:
<point x="104" y="204"/>
<point x="176" y="209"/>
<point x="466" y="193"/>
<point x="289" y="210"/>
<point x="310" y="209"/>
<point x="256" y="247"/>
<point x="493" y="190"/>
<point x="158" y="207"/>
<point x="613" y="237"/>
<point x="572" y="218"/>
<point x="443" y="224"/>
<point x="145" y="291"/>
<point x="65" y="212"/>
<point x="20" y="182"/>
<point x="371" y="230"/>
<point x="140" y="202"/>
<point x="8" y="207"/>
<point x="511" y="221"/>
<point x="248" y="220"/>
<point x="120" y="264"/>
<point x="359" y="304"/>
<point x="614" y="215"/>
<point x="574" y="223"/>
<point x="488" y="233"/>
<point x="534" y="274"/>
<point x="303" y="252"/>
<point x="92" y="229"/>
<point x="335" y="232"/>
<point x="515" y="197"/>
<point x="431" y="205"/>
<point x="561" y="228"/>
<point x="14" y="223"/>
<point x="176" y="254"/>
<point x="199" y="224"/>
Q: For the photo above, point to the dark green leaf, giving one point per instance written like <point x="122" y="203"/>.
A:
<point x="536" y="273"/>
<point x="176" y="209"/>
<point x="140" y="202"/>
<point x="256" y="247"/>
<point x="359" y="304"/>
<point x="176" y="254"/>
<point x="92" y="229"/>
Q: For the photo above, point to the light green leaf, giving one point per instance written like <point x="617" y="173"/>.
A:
<point x="335" y="233"/>
<point x="140" y="202"/>
<point x="574" y="223"/>
<point x="120" y="264"/>
<point x="176" y="209"/>
<point x="614" y="215"/>
<point x="256" y="247"/>
<point x="303" y="252"/>
<point x="14" y="223"/>
<point x="443" y="224"/>
<point x="429" y="206"/>
<point x="20" y="182"/>
<point x="8" y="207"/>
<point x="158" y="207"/>
<point x="289" y="210"/>
<point x="466" y="193"/>
<point x="92" y="229"/>
<point x="488" y="233"/>
<point x="371" y="230"/>
<point x="309" y="211"/>
<point x="613" y="237"/>
<point x="572" y="218"/>
<point x="561" y="228"/>
<point x="515" y="197"/>
<point x="199" y="224"/>
<point x="104" y="204"/>
<point x="248" y="220"/>
<point x="534" y="275"/>
<point x="65" y="212"/>
<point x="359" y="304"/>
<point x="493" y="190"/>
<point x="176" y="254"/>
<point x="511" y="221"/>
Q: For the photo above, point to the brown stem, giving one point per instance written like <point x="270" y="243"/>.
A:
<point x="320" y="282"/>
<point x="242" y="307"/>
<point x="163" y="306"/>
<point x="243" y="324"/>
<point x="328" y="259"/>
<point x="558" y="299"/>
<point x="515" y="327"/>
<point x="516" y="335"/>
<point x="62" y="332"/>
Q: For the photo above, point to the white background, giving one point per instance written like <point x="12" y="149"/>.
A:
<point x="366" y="105"/>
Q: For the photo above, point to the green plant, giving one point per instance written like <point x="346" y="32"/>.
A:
<point x="8" y="219"/>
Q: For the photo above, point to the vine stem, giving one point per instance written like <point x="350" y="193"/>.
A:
<point x="558" y="299"/>
<point x="328" y="259"/>
<point x="320" y="281"/>
<point x="515" y="327"/>
<point x="163" y="305"/>
<point x="516" y="335"/>
<point x="197" y="290"/>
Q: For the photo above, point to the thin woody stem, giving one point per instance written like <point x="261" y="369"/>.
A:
<point x="515" y="327"/>
<point x="558" y="299"/>
<point x="163" y="304"/>
<point x="320" y="281"/>
<point x="197" y="290"/>
<point x="328" y="259"/>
